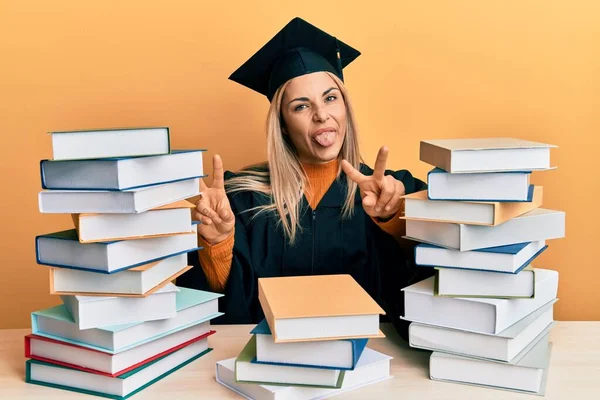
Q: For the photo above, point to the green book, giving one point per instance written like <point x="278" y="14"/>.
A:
<point x="247" y="370"/>
<point x="120" y="387"/>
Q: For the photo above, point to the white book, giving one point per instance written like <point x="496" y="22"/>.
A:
<point x="121" y="173"/>
<point x="464" y="283"/>
<point x="193" y="307"/>
<point x="494" y="186"/>
<point x="507" y="259"/>
<point x="372" y="367"/>
<point x="102" y="143"/>
<point x="538" y="224"/>
<point x="480" y="315"/>
<point x="62" y="249"/>
<point x="93" y="311"/>
<point x="126" y="201"/>
<point x="527" y="374"/>
<point x="504" y="346"/>
<point x="46" y="374"/>
<point x="486" y="155"/>
<point x="138" y="281"/>
<point x="166" y="220"/>
<point x="44" y="349"/>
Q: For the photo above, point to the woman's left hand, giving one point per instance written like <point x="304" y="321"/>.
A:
<point x="380" y="193"/>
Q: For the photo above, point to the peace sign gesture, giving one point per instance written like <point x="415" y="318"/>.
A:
<point x="380" y="193"/>
<point x="213" y="208"/>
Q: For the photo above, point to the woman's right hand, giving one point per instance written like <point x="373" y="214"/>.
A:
<point x="213" y="209"/>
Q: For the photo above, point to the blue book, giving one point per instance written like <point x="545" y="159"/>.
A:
<point x="121" y="173"/>
<point x="330" y="354"/>
<point x="63" y="249"/>
<point x="505" y="259"/>
<point x="194" y="307"/>
<point x="492" y="186"/>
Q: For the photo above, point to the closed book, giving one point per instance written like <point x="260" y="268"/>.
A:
<point x="538" y="224"/>
<point x="120" y="387"/>
<point x="337" y="308"/>
<point x="267" y="374"/>
<point x="170" y="219"/>
<point x="504" y="346"/>
<point x="77" y="357"/>
<point x="480" y="315"/>
<point x="94" y="311"/>
<point x="194" y="307"/>
<point x="486" y="155"/>
<point x="453" y="282"/>
<point x="102" y="143"/>
<point x="419" y="207"/>
<point x="63" y="249"/>
<point x="372" y="367"/>
<point x="527" y="374"/>
<point x="485" y="186"/>
<point x="140" y="281"/>
<point x="339" y="354"/>
<point x="121" y="173"/>
<point x="506" y="259"/>
<point x="119" y="202"/>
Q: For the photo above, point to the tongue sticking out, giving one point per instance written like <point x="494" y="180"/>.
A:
<point x="325" y="139"/>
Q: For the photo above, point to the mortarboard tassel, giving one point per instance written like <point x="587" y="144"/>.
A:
<point x="338" y="59"/>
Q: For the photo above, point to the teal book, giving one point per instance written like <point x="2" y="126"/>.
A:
<point x="120" y="387"/>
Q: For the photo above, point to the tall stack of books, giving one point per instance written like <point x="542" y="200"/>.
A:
<point x="487" y="313"/>
<point x="312" y="342"/>
<point x="123" y="325"/>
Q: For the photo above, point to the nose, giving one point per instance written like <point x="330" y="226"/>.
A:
<point x="320" y="114"/>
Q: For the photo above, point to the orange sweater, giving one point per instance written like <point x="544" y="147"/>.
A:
<point x="216" y="259"/>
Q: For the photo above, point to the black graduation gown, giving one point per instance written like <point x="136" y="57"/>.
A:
<point x="325" y="245"/>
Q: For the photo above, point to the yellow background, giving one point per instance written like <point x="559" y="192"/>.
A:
<point x="429" y="69"/>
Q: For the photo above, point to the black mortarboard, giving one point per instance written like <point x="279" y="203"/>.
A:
<point x="298" y="49"/>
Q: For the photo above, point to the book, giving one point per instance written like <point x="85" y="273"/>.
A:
<point x="538" y="224"/>
<point x="63" y="249"/>
<point x="94" y="312"/>
<point x="372" y="367"/>
<point x="418" y="207"/>
<point x="486" y="155"/>
<point x="170" y="219"/>
<point x="73" y="356"/>
<point x="480" y="315"/>
<point x="102" y="143"/>
<point x="140" y="281"/>
<point x="453" y="282"/>
<point x="528" y="374"/>
<point x="124" y="202"/>
<point x="492" y="186"/>
<point x="249" y="372"/>
<point x="340" y="354"/>
<point x="504" y="346"/>
<point x="506" y="259"/>
<point x="120" y="387"/>
<point x="337" y="308"/>
<point x="194" y="307"/>
<point x="123" y="173"/>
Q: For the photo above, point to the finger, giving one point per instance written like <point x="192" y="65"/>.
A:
<point x="202" y="219"/>
<point x="393" y="204"/>
<point x="352" y="172"/>
<point x="209" y="212"/>
<point x="386" y="194"/>
<point x="369" y="202"/>
<point x="226" y="214"/>
<point x="218" y="175"/>
<point x="380" y="163"/>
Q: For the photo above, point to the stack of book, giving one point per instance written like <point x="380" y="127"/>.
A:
<point x="486" y="313"/>
<point x="312" y="342"/>
<point x="123" y="325"/>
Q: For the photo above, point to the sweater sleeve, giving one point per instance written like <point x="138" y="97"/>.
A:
<point x="216" y="261"/>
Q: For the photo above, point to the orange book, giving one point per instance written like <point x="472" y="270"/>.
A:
<point x="491" y="213"/>
<point x="318" y="307"/>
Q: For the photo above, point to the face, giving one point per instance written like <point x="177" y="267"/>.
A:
<point x="314" y="114"/>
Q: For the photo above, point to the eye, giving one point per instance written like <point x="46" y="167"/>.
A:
<point x="300" y="107"/>
<point x="330" y="98"/>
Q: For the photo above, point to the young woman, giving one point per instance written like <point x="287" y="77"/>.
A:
<point x="313" y="207"/>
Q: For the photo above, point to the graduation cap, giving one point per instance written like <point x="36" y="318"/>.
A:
<point x="298" y="49"/>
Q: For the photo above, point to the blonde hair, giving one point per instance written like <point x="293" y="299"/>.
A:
<point x="285" y="180"/>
